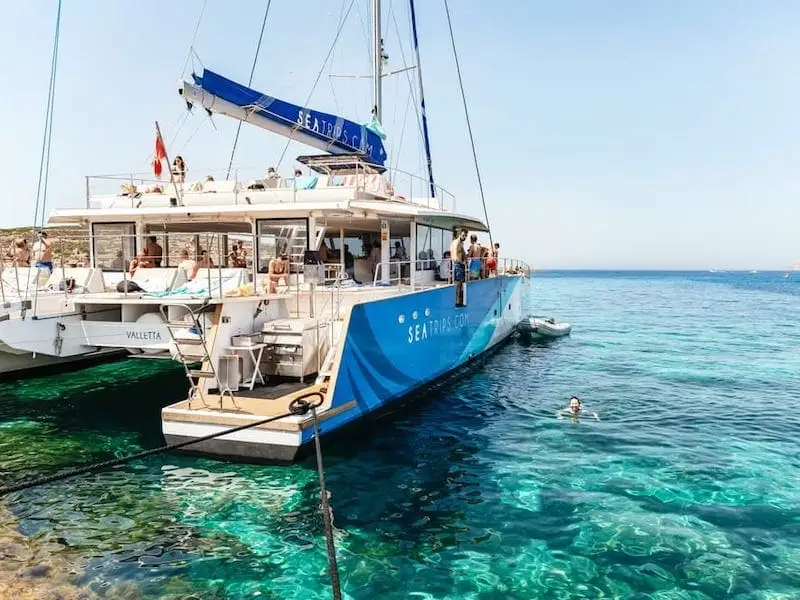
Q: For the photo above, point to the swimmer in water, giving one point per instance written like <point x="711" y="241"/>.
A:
<point x="574" y="410"/>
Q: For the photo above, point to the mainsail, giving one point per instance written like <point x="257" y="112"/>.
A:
<point x="318" y="129"/>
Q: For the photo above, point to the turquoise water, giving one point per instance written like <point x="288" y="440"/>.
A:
<point x="687" y="488"/>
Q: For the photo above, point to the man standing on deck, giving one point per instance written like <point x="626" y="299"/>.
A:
<point x="153" y="251"/>
<point x="459" y="257"/>
<point x="43" y="251"/>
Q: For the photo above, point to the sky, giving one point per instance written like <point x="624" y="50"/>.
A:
<point x="615" y="134"/>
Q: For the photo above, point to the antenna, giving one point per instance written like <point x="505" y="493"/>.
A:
<point x="377" y="59"/>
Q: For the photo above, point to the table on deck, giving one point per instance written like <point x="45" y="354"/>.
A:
<point x="256" y="362"/>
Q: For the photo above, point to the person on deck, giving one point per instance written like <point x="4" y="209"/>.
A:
<point x="278" y="269"/>
<point x="179" y="169"/>
<point x="350" y="264"/>
<point x="272" y="180"/>
<point x="444" y="268"/>
<point x="186" y="263"/>
<point x="204" y="262"/>
<point x="459" y="257"/>
<point x="475" y="254"/>
<point x="118" y="262"/>
<point x="139" y="261"/>
<point x="491" y="262"/>
<point x="21" y="254"/>
<point x="155" y="253"/>
<point x="237" y="257"/>
<point x="375" y="259"/>
<point x="43" y="251"/>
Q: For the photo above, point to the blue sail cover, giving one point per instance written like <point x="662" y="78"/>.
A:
<point x="335" y="134"/>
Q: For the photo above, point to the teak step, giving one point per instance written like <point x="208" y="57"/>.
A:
<point x="202" y="374"/>
<point x="181" y="324"/>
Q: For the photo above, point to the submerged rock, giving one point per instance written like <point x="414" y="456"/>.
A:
<point x="30" y="570"/>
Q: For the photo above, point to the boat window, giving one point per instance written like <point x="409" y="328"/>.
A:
<point x="113" y="245"/>
<point x="438" y="242"/>
<point x="429" y="247"/>
<point x="177" y="243"/>
<point x="400" y="245"/>
<point x="281" y="235"/>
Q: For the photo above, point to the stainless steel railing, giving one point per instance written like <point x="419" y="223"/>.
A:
<point x="130" y="189"/>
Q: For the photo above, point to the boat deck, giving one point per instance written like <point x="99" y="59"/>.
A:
<point x="249" y="406"/>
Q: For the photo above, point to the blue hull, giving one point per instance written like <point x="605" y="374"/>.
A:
<point x="397" y="345"/>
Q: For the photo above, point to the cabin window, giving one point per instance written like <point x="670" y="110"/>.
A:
<point x="279" y="235"/>
<point x="113" y="245"/>
<point x="432" y="243"/>
<point x="424" y="253"/>
<point x="438" y="243"/>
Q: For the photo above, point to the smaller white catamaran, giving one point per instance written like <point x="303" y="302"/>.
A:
<point x="33" y="300"/>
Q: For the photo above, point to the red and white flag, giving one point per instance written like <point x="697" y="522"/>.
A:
<point x="161" y="155"/>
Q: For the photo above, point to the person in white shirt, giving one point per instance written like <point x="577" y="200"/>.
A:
<point x="444" y="268"/>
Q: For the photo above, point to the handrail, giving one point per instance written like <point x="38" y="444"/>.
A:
<point x="398" y="185"/>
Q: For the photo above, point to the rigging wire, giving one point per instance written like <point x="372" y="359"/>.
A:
<point x="175" y="130"/>
<point x="402" y="134"/>
<point x="44" y="161"/>
<point x="469" y="126"/>
<point x="316" y="81"/>
<point x="194" y="37"/>
<point x="191" y="135"/>
<point x="180" y="120"/>
<point x="365" y="30"/>
<point x="249" y="83"/>
<point x="330" y="68"/>
<point x="411" y="92"/>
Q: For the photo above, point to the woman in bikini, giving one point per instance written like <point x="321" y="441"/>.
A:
<point x="278" y="269"/>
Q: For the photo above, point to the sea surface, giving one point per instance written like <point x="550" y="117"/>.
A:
<point x="688" y="487"/>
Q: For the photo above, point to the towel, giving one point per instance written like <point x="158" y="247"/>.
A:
<point x="306" y="183"/>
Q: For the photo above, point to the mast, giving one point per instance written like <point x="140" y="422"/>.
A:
<point x="425" y="136"/>
<point x="377" y="59"/>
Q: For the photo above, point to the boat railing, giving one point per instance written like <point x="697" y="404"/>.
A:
<point x="397" y="274"/>
<point x="22" y="279"/>
<point x="138" y="189"/>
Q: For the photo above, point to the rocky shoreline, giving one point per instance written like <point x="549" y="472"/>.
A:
<point x="71" y="243"/>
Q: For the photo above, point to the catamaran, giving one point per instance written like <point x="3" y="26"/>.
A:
<point x="348" y="289"/>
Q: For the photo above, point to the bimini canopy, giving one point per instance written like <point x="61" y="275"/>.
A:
<point x="317" y="129"/>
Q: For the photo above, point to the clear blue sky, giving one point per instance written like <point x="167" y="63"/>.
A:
<point x="620" y="134"/>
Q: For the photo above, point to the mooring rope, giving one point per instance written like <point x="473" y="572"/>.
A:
<point x="327" y="518"/>
<point x="298" y="406"/>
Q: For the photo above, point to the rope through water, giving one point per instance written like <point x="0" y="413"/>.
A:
<point x="298" y="406"/>
<point x="249" y="83"/>
<point x="469" y="126"/>
<point x="327" y="513"/>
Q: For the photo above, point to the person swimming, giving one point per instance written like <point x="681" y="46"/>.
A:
<point x="574" y="410"/>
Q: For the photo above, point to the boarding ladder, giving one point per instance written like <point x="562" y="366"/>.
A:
<point x="335" y="332"/>
<point x="295" y="237"/>
<point x="188" y="358"/>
